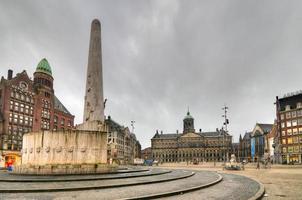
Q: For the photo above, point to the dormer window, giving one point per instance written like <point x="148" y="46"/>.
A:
<point x="287" y="107"/>
<point x="299" y="105"/>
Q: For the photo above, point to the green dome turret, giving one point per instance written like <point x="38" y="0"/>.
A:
<point x="188" y="123"/>
<point x="44" y="67"/>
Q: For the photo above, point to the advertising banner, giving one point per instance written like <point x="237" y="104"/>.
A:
<point x="253" y="147"/>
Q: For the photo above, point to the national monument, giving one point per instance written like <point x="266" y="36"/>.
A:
<point x="83" y="149"/>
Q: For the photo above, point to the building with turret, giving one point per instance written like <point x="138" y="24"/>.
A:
<point x="28" y="105"/>
<point x="190" y="145"/>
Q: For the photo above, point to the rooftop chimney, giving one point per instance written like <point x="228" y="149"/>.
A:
<point x="9" y="74"/>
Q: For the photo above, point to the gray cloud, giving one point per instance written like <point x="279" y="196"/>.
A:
<point x="161" y="56"/>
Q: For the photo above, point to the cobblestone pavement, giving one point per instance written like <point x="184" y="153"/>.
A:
<point x="200" y="178"/>
<point x="232" y="187"/>
<point x="280" y="181"/>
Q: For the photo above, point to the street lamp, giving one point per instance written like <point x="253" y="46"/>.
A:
<point x="132" y="125"/>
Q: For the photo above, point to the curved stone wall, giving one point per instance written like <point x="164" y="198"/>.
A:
<point x="64" y="147"/>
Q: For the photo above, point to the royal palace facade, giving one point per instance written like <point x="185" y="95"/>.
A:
<point x="191" y="146"/>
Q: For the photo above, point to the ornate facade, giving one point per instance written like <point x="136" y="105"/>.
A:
<point x="191" y="146"/>
<point x="122" y="145"/>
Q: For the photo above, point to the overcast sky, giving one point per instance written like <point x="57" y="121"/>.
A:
<point x="159" y="57"/>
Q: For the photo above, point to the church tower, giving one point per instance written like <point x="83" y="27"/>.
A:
<point x="188" y="124"/>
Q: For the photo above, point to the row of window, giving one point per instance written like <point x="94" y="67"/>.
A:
<point x="299" y="105"/>
<point x="20" y="119"/>
<point x="292" y="149"/>
<point x="11" y="138"/>
<point x="62" y="122"/>
<point x="20" y="107"/>
<point x="43" y="81"/>
<point x="13" y="130"/>
<point x="46" y="113"/>
<point x="45" y="104"/>
<point x="292" y="140"/>
<point x="292" y="114"/>
<point x="189" y="155"/>
<point x="290" y="123"/>
<point x="12" y="146"/>
<point x="22" y="97"/>
<point x="293" y="131"/>
<point x="45" y="124"/>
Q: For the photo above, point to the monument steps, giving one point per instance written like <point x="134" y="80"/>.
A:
<point x="15" y="187"/>
<point x="128" y="174"/>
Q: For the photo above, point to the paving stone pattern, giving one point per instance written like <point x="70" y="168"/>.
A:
<point x="232" y="187"/>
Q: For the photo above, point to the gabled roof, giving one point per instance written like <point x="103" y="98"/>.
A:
<point x="114" y="125"/>
<point x="266" y="127"/>
<point x="247" y="135"/>
<point x="59" y="106"/>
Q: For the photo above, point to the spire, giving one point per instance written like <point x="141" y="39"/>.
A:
<point x="94" y="100"/>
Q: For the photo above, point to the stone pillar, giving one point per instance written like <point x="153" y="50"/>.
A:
<point x="94" y="101"/>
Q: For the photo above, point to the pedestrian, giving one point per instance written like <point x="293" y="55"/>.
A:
<point x="258" y="165"/>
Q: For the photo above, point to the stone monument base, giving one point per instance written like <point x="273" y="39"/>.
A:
<point x="64" y="152"/>
<point x="65" y="169"/>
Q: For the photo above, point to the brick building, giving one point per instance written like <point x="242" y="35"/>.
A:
<point x="28" y="105"/>
<point x="288" y="142"/>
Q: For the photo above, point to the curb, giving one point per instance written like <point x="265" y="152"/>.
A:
<point x="83" y="179"/>
<point x="177" y="192"/>
<point x="93" y="187"/>
<point x="114" y="172"/>
<point x="260" y="192"/>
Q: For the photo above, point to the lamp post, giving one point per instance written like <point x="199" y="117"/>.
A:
<point x="132" y="125"/>
<point x="225" y="128"/>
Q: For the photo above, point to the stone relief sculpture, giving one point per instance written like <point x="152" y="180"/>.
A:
<point x="58" y="149"/>
<point x="47" y="149"/>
